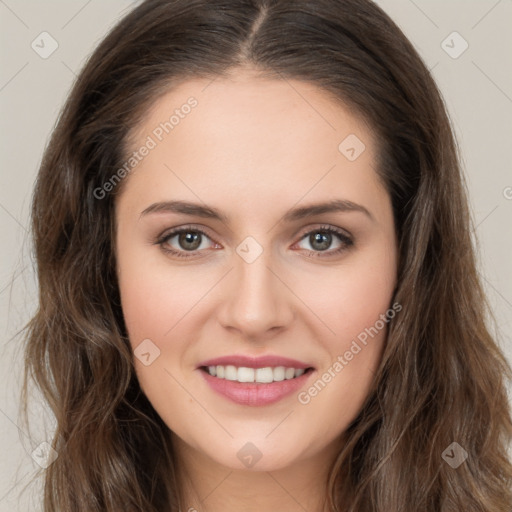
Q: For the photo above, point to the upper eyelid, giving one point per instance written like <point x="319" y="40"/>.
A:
<point x="176" y="231"/>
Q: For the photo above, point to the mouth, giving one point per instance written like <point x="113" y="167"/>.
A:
<point x="255" y="381"/>
<point x="263" y="375"/>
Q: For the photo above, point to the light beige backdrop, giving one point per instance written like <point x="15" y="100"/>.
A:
<point x="466" y="44"/>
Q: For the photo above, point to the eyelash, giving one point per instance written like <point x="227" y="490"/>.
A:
<point x="344" y="239"/>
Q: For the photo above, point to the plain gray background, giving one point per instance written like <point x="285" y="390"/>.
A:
<point x="476" y="85"/>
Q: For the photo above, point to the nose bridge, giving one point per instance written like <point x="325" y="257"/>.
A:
<point x="257" y="299"/>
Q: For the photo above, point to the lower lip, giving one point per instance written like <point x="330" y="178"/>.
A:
<point x="255" y="394"/>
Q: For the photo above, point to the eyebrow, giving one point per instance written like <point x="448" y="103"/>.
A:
<point x="208" y="212"/>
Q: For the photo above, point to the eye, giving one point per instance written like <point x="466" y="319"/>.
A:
<point x="188" y="239"/>
<point x="322" y="238"/>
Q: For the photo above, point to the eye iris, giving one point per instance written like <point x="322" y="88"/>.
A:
<point x="323" y="238"/>
<point x="189" y="238"/>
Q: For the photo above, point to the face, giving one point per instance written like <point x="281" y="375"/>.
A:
<point x="225" y="268"/>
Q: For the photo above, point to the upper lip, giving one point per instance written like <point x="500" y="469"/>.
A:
<point x="255" y="362"/>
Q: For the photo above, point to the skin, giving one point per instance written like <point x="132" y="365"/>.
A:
<point x="254" y="148"/>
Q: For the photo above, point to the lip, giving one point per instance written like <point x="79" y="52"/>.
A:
<point x="255" y="362"/>
<point x="255" y="394"/>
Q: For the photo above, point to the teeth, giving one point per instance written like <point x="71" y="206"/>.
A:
<point x="261" y="375"/>
<point x="230" y="373"/>
<point x="264" y="375"/>
<point x="278" y="373"/>
<point x="246" y="374"/>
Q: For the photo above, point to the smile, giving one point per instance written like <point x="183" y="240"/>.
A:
<point x="264" y="375"/>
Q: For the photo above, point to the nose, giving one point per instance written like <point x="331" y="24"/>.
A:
<point x="257" y="302"/>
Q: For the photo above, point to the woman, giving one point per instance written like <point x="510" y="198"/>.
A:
<point x="196" y="353"/>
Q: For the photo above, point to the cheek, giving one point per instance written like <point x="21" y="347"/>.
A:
<point x="155" y="306"/>
<point x="349" y="299"/>
<point x="153" y="298"/>
<point x="355" y="303"/>
<point x="337" y="393"/>
<point x="361" y="301"/>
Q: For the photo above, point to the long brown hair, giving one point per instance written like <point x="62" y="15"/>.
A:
<point x="442" y="378"/>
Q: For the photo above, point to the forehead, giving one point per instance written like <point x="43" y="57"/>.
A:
<point x="254" y="109"/>
<point x="266" y="139"/>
